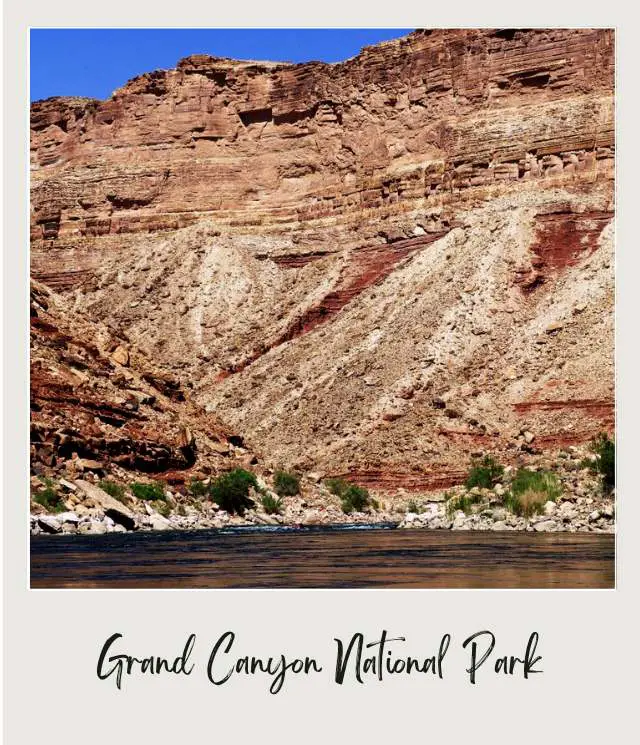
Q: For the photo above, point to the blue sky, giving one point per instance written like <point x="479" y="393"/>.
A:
<point x="94" y="62"/>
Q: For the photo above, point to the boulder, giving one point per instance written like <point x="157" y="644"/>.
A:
<point x="608" y="511"/>
<point x="158" y="522"/>
<point x="393" y="413"/>
<point x="567" y="511"/>
<point x="545" y="526"/>
<point x="185" y="438"/>
<point x="109" y="505"/>
<point x="552" y="328"/>
<point x="121" y="356"/>
<point x="49" y="524"/>
<point x="84" y="464"/>
<point x="68" y="517"/>
<point x="93" y="527"/>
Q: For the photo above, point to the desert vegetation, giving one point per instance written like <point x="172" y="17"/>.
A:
<point x="286" y="483"/>
<point x="353" y="498"/>
<point x="270" y="504"/>
<point x="524" y="493"/>
<point x="230" y="491"/>
<point x="197" y="488"/>
<point x="604" y="450"/>
<point x="113" y="489"/>
<point x="484" y="473"/>
<point x="531" y="490"/>
<point x="414" y="507"/>
<point x="462" y="502"/>
<point x="149" y="492"/>
<point x="48" y="497"/>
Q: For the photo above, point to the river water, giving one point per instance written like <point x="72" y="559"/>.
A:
<point x="324" y="557"/>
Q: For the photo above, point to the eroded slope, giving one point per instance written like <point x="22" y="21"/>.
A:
<point x="376" y="268"/>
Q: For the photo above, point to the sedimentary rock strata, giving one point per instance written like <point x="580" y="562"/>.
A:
<point x="376" y="268"/>
<point x="98" y="402"/>
<point x="420" y="122"/>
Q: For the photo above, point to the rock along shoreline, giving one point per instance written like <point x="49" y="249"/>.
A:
<point x="572" y="514"/>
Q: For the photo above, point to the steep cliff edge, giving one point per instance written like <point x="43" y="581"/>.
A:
<point x="375" y="268"/>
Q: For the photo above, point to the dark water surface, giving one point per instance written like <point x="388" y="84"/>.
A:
<point x="324" y="557"/>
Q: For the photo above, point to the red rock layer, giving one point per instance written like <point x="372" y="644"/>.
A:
<point x="390" y="479"/>
<point x="562" y="239"/>
<point x="425" y="121"/>
<point x="365" y="267"/>
<point x="594" y="416"/>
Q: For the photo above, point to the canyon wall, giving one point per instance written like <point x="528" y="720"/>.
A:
<point x="97" y="399"/>
<point x="375" y="268"/>
<point x="420" y="122"/>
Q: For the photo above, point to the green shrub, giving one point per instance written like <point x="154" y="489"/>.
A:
<point x="113" y="489"/>
<point x="530" y="490"/>
<point x="286" y="484"/>
<point x="149" y="492"/>
<point x="231" y="490"/>
<point x="337" y="486"/>
<point x="271" y="505"/>
<point x="354" y="498"/>
<point x="414" y="507"/>
<point x="464" y="502"/>
<point x="604" y="465"/>
<point x="485" y="473"/>
<point x="197" y="488"/>
<point x="542" y="481"/>
<point x="49" y="498"/>
<point x="347" y="507"/>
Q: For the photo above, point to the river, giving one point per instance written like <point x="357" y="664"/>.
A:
<point x="324" y="557"/>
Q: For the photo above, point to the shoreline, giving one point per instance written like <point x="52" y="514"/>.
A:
<point x="565" y="517"/>
<point x="568" y="496"/>
<point x="253" y="529"/>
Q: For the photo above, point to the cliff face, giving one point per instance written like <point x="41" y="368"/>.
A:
<point x="96" y="396"/>
<point x="396" y="260"/>
<point x="423" y="122"/>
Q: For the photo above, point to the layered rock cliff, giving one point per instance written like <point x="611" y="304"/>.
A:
<point x="95" y="397"/>
<point x="374" y="268"/>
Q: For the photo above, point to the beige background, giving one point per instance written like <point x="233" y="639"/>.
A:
<point x="52" y="638"/>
